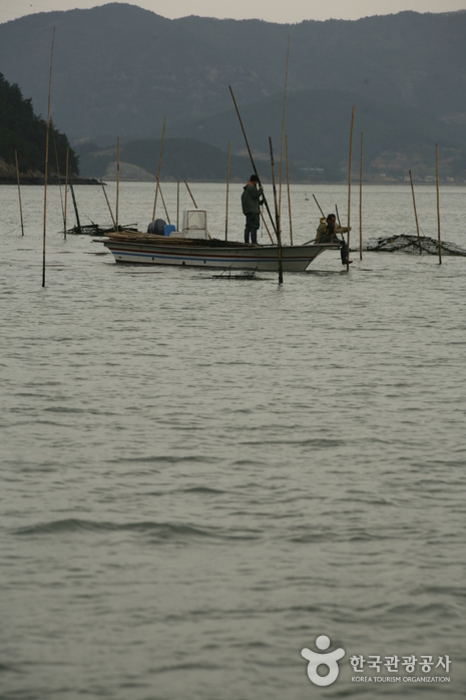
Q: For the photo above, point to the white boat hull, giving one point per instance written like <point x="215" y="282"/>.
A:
<point x="213" y="254"/>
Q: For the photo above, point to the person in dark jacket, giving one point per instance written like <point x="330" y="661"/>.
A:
<point x="326" y="233"/>
<point x="251" y="199"/>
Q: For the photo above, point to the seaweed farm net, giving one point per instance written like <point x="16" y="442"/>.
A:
<point x="412" y="244"/>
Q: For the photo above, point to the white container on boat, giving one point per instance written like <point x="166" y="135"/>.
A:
<point x="195" y="223"/>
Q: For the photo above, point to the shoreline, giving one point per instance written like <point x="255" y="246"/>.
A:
<point x="32" y="180"/>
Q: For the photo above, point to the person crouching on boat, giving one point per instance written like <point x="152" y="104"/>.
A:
<point x="251" y="200"/>
<point x="327" y="233"/>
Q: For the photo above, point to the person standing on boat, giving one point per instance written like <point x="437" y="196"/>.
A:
<point x="327" y="233"/>
<point x="251" y="200"/>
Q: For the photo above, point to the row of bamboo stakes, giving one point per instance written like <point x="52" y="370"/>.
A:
<point x="276" y="225"/>
<point x="360" y="197"/>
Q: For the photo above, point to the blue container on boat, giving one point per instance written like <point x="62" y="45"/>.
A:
<point x="168" y="228"/>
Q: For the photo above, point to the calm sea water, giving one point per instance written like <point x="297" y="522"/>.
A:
<point x="201" y="476"/>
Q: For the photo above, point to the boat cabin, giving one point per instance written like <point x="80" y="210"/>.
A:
<point x="194" y="226"/>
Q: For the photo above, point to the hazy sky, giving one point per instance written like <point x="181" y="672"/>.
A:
<point x="269" y="10"/>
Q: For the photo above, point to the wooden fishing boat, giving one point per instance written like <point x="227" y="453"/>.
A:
<point x="130" y="247"/>
<point x="193" y="247"/>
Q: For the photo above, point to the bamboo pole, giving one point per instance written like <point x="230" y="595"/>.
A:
<point x="320" y="208"/>
<point x="338" y="214"/>
<point x="266" y="227"/>
<point x="415" y="213"/>
<point x="19" y="194"/>
<point x="283" y="132"/>
<point x="191" y="194"/>
<point x="349" y="186"/>
<point x="228" y="191"/>
<point x="78" y="223"/>
<point x="66" y="187"/>
<point x="275" y="200"/>
<point x="338" y="219"/>
<point x="118" y="184"/>
<point x="360" y="200"/>
<point x="159" y="168"/>
<point x="47" y="162"/>
<point x="339" y="222"/>
<point x="164" y="205"/>
<point x="108" y="204"/>
<point x="277" y="214"/>
<point x="438" y="206"/>
<point x="251" y="158"/>
<point x="58" y="174"/>
<point x="288" y="187"/>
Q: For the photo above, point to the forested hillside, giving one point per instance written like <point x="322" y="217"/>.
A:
<point x="25" y="132"/>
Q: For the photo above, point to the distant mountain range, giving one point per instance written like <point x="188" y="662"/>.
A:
<point x="118" y="69"/>
<point x="183" y="158"/>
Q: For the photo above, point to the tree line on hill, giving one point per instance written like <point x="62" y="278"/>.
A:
<point x="24" y="132"/>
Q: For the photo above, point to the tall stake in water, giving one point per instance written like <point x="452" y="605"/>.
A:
<point x="228" y="191"/>
<point x="283" y="133"/>
<point x="288" y="187"/>
<point x="118" y="183"/>
<point x="66" y="186"/>
<point x="78" y="223"/>
<point x="47" y="162"/>
<point x="108" y="204"/>
<point x="360" y="201"/>
<point x="19" y="194"/>
<point x="277" y="214"/>
<point x="58" y="174"/>
<point x="349" y="185"/>
<point x="415" y="213"/>
<point x="159" y="168"/>
<point x="178" y="204"/>
<point x="438" y="207"/>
